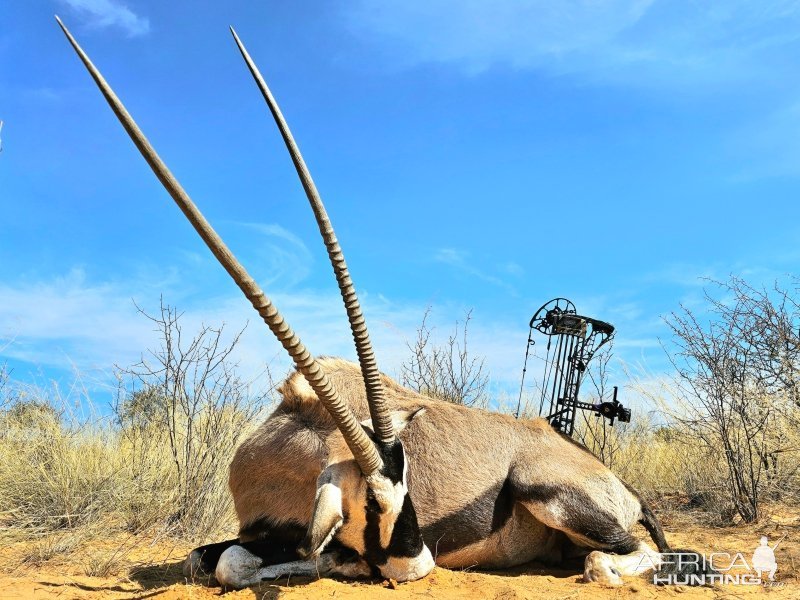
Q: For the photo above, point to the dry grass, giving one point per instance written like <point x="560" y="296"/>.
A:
<point x="663" y="459"/>
<point x="153" y="468"/>
<point x="67" y="482"/>
<point x="49" y="547"/>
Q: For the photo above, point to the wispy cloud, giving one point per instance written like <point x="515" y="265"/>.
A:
<point x="42" y="94"/>
<point x="283" y="258"/>
<point x="68" y="318"/>
<point x="69" y="321"/>
<point x="638" y="41"/>
<point x="461" y="262"/>
<point x="478" y="35"/>
<point x="101" y="14"/>
<point x="685" y="275"/>
<point x="767" y="146"/>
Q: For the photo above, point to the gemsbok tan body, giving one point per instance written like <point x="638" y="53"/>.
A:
<point x="353" y="474"/>
<point x="489" y="490"/>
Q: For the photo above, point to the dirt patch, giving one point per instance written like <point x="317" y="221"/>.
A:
<point x="153" y="570"/>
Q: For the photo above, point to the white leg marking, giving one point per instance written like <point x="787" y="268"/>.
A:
<point x="599" y="567"/>
<point x="301" y="568"/>
<point x="609" y="568"/>
<point x="326" y="564"/>
<point x="237" y="567"/>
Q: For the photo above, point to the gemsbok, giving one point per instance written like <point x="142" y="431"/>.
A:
<point x="354" y="474"/>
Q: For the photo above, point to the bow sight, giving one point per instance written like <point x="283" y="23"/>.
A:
<point x="572" y="341"/>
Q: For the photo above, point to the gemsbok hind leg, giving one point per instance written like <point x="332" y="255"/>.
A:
<point x="600" y="522"/>
<point x="598" y="564"/>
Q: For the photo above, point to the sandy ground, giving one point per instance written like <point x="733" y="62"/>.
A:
<point x="143" y="569"/>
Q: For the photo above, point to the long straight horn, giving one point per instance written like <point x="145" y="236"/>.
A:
<point x="361" y="446"/>
<point x="381" y="419"/>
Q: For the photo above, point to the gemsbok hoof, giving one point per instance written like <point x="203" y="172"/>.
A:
<point x="599" y="568"/>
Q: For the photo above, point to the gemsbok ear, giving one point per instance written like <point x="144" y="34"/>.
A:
<point x="401" y="418"/>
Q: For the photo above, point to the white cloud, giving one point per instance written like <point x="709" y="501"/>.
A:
<point x="478" y="34"/>
<point x="635" y="41"/>
<point x="281" y="255"/>
<point x="767" y="147"/>
<point x="109" y="13"/>
<point x="69" y="321"/>
<point x="461" y="262"/>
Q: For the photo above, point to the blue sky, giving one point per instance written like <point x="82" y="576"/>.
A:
<point x="472" y="155"/>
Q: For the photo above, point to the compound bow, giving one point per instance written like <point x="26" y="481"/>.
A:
<point x="572" y="341"/>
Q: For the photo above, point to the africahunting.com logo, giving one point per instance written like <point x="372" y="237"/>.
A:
<point x="694" y="568"/>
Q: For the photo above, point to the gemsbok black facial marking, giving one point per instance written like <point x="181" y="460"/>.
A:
<point x="392" y="536"/>
<point x="405" y="538"/>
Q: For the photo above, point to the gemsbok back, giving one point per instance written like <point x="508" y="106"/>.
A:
<point x="354" y="474"/>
